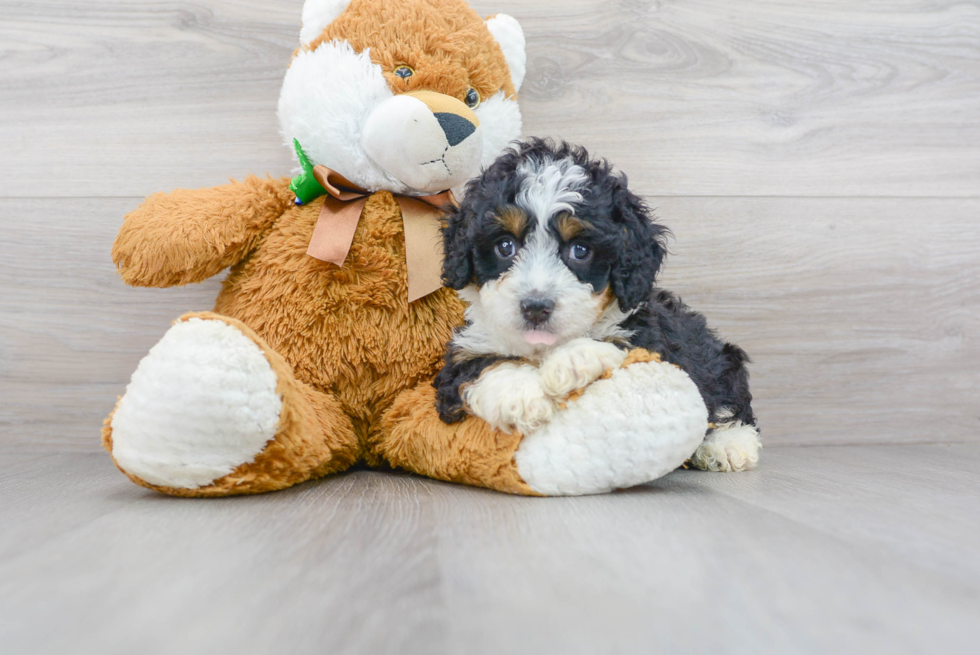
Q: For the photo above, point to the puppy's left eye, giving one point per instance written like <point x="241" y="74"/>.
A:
<point x="580" y="252"/>
<point x="505" y="248"/>
<point x="472" y="98"/>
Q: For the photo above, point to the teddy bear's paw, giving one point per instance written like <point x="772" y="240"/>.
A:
<point x="509" y="397"/>
<point x="577" y="364"/>
<point x="731" y="447"/>
<point x="200" y="404"/>
<point x="640" y="423"/>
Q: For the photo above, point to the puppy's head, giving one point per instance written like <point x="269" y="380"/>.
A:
<point x="549" y="245"/>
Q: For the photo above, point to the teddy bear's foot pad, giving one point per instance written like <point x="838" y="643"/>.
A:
<point x="640" y="423"/>
<point x="200" y="404"/>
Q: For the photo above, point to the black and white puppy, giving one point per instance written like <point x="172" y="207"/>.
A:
<point x="557" y="260"/>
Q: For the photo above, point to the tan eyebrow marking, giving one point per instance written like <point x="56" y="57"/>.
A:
<point x="570" y="227"/>
<point x="513" y="219"/>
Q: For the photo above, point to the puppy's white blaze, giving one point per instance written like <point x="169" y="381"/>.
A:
<point x="550" y="187"/>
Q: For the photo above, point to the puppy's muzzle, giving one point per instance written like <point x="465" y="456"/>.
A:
<point x="429" y="141"/>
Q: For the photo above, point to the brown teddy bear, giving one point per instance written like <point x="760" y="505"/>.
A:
<point x="332" y="322"/>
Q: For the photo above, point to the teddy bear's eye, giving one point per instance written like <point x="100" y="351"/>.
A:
<point x="472" y="98"/>
<point x="404" y="72"/>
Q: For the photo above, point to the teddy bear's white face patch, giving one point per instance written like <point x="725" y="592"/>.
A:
<point x="327" y="96"/>
<point x="336" y="103"/>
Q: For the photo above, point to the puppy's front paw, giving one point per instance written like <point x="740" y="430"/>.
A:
<point x="577" y="364"/>
<point x="509" y="397"/>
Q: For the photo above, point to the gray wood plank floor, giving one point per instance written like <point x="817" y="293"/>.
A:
<point x="822" y="550"/>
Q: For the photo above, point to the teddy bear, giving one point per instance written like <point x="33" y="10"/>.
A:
<point x="332" y="321"/>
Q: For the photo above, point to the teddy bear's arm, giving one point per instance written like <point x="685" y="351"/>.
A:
<point x="189" y="235"/>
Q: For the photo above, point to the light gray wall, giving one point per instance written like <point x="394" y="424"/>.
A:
<point x="819" y="164"/>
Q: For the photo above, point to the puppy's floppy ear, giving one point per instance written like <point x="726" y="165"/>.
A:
<point x="642" y="250"/>
<point x="457" y="265"/>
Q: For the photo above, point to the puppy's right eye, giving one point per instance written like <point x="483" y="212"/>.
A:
<point x="505" y="248"/>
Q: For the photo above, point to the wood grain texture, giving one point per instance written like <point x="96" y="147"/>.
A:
<point x="863" y="320"/>
<point x="842" y="550"/>
<point x="861" y="313"/>
<point x="699" y="97"/>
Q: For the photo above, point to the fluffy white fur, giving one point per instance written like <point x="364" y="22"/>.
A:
<point x="317" y="14"/>
<point x="403" y="136"/>
<point x="508" y="33"/>
<point x="731" y="446"/>
<point x="522" y="397"/>
<point x="549" y="188"/>
<point x="201" y="403"/>
<point x="510" y="397"/>
<point x="326" y="98"/>
<point x="493" y="321"/>
<point x="577" y="364"/>
<point x="500" y="120"/>
<point x="586" y="449"/>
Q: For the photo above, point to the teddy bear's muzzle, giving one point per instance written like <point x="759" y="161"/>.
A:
<point x="429" y="141"/>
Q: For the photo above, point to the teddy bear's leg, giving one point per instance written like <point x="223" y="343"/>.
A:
<point x="636" y="424"/>
<point x="412" y="437"/>
<point x="212" y="410"/>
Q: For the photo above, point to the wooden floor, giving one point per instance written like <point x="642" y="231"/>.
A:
<point x="870" y="549"/>
<point x="819" y="166"/>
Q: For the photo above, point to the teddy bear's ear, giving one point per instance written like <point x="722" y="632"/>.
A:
<point x="317" y="14"/>
<point x="508" y="33"/>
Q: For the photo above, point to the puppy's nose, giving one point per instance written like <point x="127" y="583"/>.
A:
<point x="537" y="310"/>
<point x="456" y="128"/>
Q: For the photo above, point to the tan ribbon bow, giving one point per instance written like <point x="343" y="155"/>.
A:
<point x="342" y="207"/>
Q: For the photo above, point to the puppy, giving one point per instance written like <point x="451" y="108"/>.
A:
<point x="557" y="260"/>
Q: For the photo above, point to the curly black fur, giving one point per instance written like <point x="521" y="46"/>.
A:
<point x="681" y="336"/>
<point x="450" y="380"/>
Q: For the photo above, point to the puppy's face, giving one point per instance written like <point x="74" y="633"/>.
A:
<point x="549" y="246"/>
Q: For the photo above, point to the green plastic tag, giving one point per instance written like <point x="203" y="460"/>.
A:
<point x="305" y="185"/>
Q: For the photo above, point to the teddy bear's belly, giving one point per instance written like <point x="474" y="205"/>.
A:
<point x="348" y="330"/>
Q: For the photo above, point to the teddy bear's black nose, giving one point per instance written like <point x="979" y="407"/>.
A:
<point x="537" y="310"/>
<point x="456" y="128"/>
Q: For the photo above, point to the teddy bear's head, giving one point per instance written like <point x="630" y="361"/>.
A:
<point x="409" y="96"/>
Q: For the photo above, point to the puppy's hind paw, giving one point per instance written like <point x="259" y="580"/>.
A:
<point x="577" y="364"/>
<point x="734" y="447"/>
